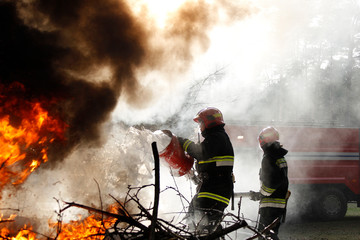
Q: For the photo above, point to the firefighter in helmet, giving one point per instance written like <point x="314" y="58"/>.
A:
<point x="214" y="165"/>
<point x="274" y="192"/>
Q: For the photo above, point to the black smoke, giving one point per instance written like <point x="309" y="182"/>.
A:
<point x="51" y="47"/>
<point x="56" y="50"/>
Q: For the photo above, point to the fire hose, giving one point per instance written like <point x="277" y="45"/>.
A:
<point x="243" y="194"/>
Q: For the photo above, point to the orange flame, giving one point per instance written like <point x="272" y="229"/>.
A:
<point x="26" y="132"/>
<point x="93" y="227"/>
<point x="25" y="233"/>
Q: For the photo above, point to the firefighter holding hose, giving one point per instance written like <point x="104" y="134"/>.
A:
<point x="214" y="165"/>
<point x="274" y="192"/>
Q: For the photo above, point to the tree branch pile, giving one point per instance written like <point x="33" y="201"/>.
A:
<point x="145" y="224"/>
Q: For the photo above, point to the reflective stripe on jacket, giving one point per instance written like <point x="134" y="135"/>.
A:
<point x="266" y="191"/>
<point x="220" y="161"/>
<point x="281" y="163"/>
<point x="214" y="197"/>
<point x="273" y="202"/>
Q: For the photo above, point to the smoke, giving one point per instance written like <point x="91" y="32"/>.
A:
<point x="89" y="54"/>
<point x="111" y="62"/>
<point x="87" y="176"/>
<point x="88" y="57"/>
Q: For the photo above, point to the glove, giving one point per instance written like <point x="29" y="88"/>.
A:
<point x="255" y="196"/>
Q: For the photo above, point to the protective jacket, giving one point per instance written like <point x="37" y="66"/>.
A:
<point x="214" y="164"/>
<point x="274" y="176"/>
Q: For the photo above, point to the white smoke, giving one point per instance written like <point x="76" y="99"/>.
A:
<point x="252" y="55"/>
<point x="241" y="49"/>
<point x="90" y="175"/>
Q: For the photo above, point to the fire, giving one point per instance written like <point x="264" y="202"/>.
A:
<point x="25" y="234"/>
<point x="26" y="132"/>
<point x="92" y="227"/>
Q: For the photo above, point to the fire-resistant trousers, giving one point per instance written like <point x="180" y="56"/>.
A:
<point x="206" y="213"/>
<point x="267" y="216"/>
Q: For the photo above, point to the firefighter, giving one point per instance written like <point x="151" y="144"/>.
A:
<point x="214" y="160"/>
<point x="274" y="181"/>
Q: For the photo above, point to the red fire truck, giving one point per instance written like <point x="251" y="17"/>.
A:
<point x="323" y="163"/>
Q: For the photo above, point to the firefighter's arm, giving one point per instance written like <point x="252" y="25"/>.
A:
<point x="282" y="165"/>
<point x="267" y="190"/>
<point x="193" y="149"/>
<point x="274" y="178"/>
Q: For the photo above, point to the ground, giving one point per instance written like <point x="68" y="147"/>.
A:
<point x="345" y="229"/>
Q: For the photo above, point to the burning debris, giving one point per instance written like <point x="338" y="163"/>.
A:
<point x="118" y="223"/>
<point x="127" y="218"/>
<point x="27" y="132"/>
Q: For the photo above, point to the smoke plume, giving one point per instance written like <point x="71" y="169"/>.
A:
<point x="87" y="54"/>
<point x="78" y="58"/>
